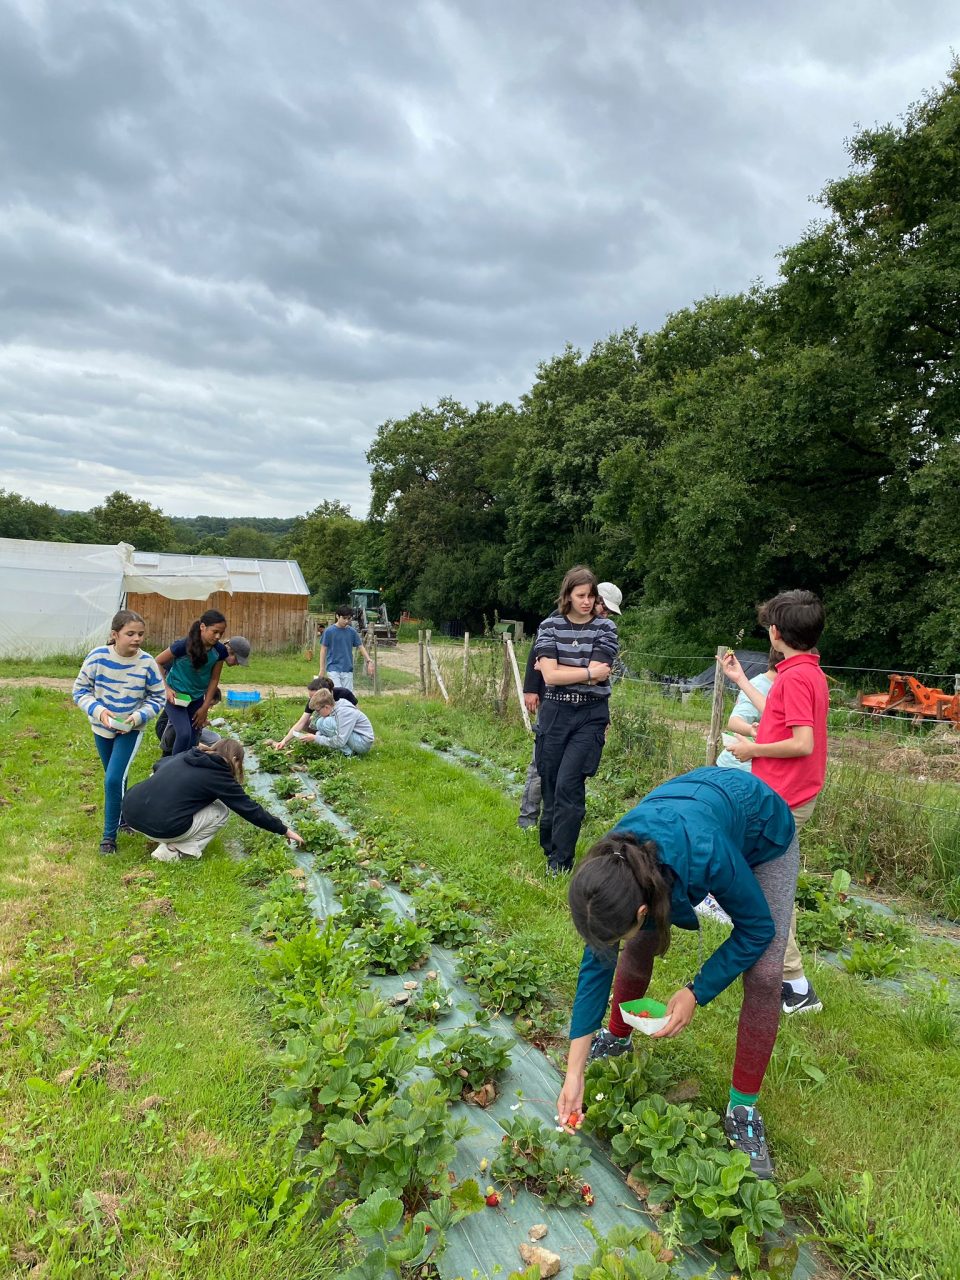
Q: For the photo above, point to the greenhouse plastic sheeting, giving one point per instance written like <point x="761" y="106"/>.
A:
<point x="491" y="1238"/>
<point x="57" y="597"/>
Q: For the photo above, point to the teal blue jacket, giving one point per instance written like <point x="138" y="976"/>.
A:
<point x="711" y="827"/>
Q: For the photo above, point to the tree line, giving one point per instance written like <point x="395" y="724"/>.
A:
<point x="805" y="433"/>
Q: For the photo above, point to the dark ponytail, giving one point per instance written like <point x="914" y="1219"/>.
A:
<point x="195" y="650"/>
<point x="619" y="875"/>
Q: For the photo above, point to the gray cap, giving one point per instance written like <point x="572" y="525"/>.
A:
<point x="239" y="646"/>
<point x="611" y="596"/>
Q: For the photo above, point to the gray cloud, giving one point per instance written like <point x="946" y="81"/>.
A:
<point x="234" y="240"/>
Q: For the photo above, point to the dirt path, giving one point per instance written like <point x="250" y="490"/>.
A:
<point x="64" y="684"/>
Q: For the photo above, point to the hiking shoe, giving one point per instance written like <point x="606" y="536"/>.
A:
<point x="744" y="1130"/>
<point x="108" y="846"/>
<point x="162" y="853"/>
<point x="792" y="1002"/>
<point x="606" y="1045"/>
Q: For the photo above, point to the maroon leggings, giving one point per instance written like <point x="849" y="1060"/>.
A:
<point x="760" y="1010"/>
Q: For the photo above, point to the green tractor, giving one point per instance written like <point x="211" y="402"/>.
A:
<point x="370" y="614"/>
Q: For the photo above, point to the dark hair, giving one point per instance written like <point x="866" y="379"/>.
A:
<point x="320" y="682"/>
<point x="578" y="576"/>
<point x="230" y="750"/>
<point x="617" y="876"/>
<point x="773" y="657"/>
<point x="344" y="611"/>
<point x="122" y="617"/>
<point x="195" y="650"/>
<point x="797" y="615"/>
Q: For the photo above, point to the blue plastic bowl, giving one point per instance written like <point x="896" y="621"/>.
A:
<point x="242" y="695"/>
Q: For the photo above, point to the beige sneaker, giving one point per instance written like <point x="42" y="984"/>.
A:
<point x="163" y="853"/>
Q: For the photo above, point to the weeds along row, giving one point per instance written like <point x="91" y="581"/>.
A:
<point x="889" y="812"/>
<point x="363" y="1109"/>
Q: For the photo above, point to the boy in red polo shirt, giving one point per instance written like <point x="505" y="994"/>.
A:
<point x="790" y="749"/>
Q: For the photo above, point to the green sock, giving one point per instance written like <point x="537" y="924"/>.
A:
<point x="738" y="1099"/>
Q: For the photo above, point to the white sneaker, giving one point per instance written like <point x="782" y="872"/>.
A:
<point x="163" y="853"/>
<point x="711" y="907"/>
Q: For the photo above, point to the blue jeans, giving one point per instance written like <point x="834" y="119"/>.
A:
<point x="181" y="718"/>
<point x="326" y="727"/>
<point x="115" y="756"/>
<point x="342" y="679"/>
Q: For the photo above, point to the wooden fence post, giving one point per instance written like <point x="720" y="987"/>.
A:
<point x="518" y="683"/>
<point x="423" y="674"/>
<point x="466" y="654"/>
<point x="505" y="679"/>
<point x="716" y="710"/>
<point x="437" y="674"/>
<point x="376" y="667"/>
<point x="427" y="637"/>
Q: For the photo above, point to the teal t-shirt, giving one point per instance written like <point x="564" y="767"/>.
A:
<point x="184" y="677"/>
<point x="745" y="709"/>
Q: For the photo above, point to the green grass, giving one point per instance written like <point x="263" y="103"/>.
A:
<point x="135" y="1052"/>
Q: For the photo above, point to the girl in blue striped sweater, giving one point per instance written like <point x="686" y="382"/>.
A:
<point x="120" y="688"/>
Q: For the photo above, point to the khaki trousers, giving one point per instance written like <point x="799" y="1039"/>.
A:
<point x="792" y="959"/>
<point x="205" y="825"/>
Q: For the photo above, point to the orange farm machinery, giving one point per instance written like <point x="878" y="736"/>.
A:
<point x="906" y="696"/>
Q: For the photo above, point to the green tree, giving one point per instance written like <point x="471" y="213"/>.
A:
<point x="122" y="518"/>
<point x="22" y="518"/>
<point x="439" y="481"/>
<point x="325" y="542"/>
<point x="243" y="540"/>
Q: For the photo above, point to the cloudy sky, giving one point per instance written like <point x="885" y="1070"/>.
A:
<point x="236" y="237"/>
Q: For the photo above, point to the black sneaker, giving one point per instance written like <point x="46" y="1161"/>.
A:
<point x="606" y="1045"/>
<point x="744" y="1129"/>
<point x="793" y="1002"/>
<point x="125" y="829"/>
<point x="108" y="846"/>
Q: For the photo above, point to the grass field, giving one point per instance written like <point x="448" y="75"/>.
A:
<point x="136" y="1049"/>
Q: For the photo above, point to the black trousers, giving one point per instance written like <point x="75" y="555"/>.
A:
<point x="570" y="738"/>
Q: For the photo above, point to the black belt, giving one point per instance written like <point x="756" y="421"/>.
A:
<point x="550" y="696"/>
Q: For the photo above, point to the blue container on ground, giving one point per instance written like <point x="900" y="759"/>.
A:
<point x="242" y="695"/>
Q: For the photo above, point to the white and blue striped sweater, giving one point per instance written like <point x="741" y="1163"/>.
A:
<point x="124" y="686"/>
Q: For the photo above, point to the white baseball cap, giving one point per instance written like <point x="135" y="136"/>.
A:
<point x="611" y="596"/>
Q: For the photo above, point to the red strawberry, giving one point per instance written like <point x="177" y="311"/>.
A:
<point x="493" y="1200"/>
<point x="644" y="1013"/>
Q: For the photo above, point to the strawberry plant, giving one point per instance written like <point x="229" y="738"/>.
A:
<point x="505" y="977"/>
<point x="392" y="945"/>
<point x="311" y="968"/>
<point x="272" y="761"/>
<point x="627" y="1253"/>
<point x="361" y="905"/>
<point x="548" y="1164"/>
<point x="284" y="788"/>
<point x="440" y="908"/>
<point x="341" y="1064"/>
<point x="467" y="1060"/>
<point x="266" y="857"/>
<point x="430" y="1003"/>
<point x="613" y="1086"/>
<point x="873" y="960"/>
<point x="404" y="1144"/>
<point x="391" y="1245"/>
<point x="322" y="837"/>
<point x="284" y="911"/>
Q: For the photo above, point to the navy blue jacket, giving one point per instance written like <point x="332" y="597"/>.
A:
<point x="711" y="827"/>
<point x="163" y="805"/>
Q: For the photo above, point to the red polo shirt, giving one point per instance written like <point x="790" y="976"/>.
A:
<point x="799" y="697"/>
